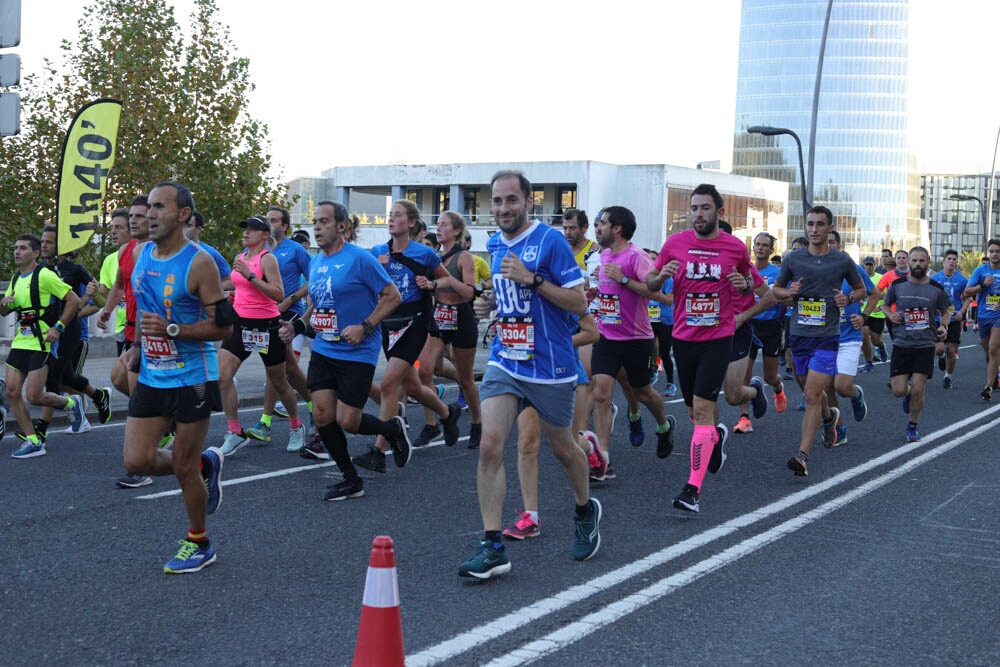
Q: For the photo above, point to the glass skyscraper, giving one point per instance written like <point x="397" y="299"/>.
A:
<point x="863" y="168"/>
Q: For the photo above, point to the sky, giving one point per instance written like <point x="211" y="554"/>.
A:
<point x="629" y="82"/>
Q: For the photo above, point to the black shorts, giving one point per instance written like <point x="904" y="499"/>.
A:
<point x="276" y="351"/>
<point x="742" y="342"/>
<point x="27" y="360"/>
<point x="954" y="333"/>
<point x="409" y="345"/>
<point x="62" y="369"/>
<point x="876" y="325"/>
<point x="635" y="356"/>
<point x="769" y="332"/>
<point x="466" y="336"/>
<point x="185" y="405"/>
<point x="351" y="380"/>
<point x="701" y="367"/>
<point x="907" y="361"/>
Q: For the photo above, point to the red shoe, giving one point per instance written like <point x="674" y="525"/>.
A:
<point x="780" y="400"/>
<point x="524" y="527"/>
<point x="744" y="425"/>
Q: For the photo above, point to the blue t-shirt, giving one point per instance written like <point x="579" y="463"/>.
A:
<point x="769" y="273"/>
<point x="953" y="286"/>
<point x="404" y="279"/>
<point x="161" y="286"/>
<point x="847" y="332"/>
<point x="534" y="340"/>
<point x="293" y="263"/>
<point x="344" y="289"/>
<point x="989" y="297"/>
<point x="666" y="312"/>
<point x="220" y="261"/>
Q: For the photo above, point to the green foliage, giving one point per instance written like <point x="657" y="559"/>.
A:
<point x="968" y="261"/>
<point x="184" y="117"/>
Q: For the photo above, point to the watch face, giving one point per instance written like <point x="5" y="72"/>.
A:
<point x="624" y="280"/>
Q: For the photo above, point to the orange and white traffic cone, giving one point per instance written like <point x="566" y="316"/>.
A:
<point x="380" y="633"/>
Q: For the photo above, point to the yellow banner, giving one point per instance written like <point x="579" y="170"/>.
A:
<point x="88" y="156"/>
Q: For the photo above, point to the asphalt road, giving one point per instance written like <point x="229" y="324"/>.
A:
<point x="886" y="554"/>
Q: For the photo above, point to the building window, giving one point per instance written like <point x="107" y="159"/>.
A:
<point x="538" y="199"/>
<point x="442" y="200"/>
<point x="567" y="197"/>
<point x="415" y="196"/>
<point x="472" y="204"/>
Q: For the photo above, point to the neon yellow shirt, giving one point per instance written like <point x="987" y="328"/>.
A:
<point x="109" y="271"/>
<point x="49" y="286"/>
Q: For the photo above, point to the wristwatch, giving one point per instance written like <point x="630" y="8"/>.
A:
<point x="536" y="282"/>
<point x="251" y="277"/>
<point x="623" y="280"/>
<point x="173" y="330"/>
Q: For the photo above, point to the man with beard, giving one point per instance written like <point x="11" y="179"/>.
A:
<point x="921" y="308"/>
<point x="902" y="267"/>
<point x="537" y="286"/>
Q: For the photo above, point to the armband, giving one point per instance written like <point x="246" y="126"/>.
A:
<point x="224" y="313"/>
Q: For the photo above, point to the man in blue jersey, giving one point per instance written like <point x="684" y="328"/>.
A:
<point x="537" y="287"/>
<point x="293" y="263"/>
<point x="351" y="295"/>
<point x="954" y="284"/>
<point x="984" y="283"/>
<point x="192" y="232"/>
<point x="181" y="310"/>
<point x="767" y="326"/>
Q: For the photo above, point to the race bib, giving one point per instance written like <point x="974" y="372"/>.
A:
<point x="702" y="309"/>
<point x="324" y="322"/>
<point x="446" y="316"/>
<point x="256" y="340"/>
<point x="517" y="338"/>
<point x="993" y="302"/>
<point x="812" y="312"/>
<point x="654" y="312"/>
<point x="609" y="308"/>
<point x="161" y="353"/>
<point x="916" y="319"/>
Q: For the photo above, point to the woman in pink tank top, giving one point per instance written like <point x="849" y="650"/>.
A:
<point x="257" y="289"/>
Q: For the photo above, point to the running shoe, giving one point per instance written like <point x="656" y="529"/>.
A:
<point x="941" y="362"/>
<point x="167" y="441"/>
<point x="102" y="401"/>
<point x="986" y="393"/>
<point x="260" y="431"/>
<point x="40" y="430"/>
<point x="670" y="390"/>
<point x="858" y="404"/>
<point x="780" y="400"/>
<point x="440" y="390"/>
<point x="788" y="374"/>
<point x="427" y="433"/>
<point x="133" y="481"/>
<point x="797" y="464"/>
<point x="84" y="427"/>
<point x="912" y="434"/>
<point x="76" y="414"/>
<point x="475" y="435"/>
<point x="588" y="533"/>
<point x="190" y="558"/>
<point x="744" y="425"/>
<point x="718" y="458"/>
<point x="665" y="441"/>
<point x="280" y="410"/>
<point x="523" y="528"/>
<point x="401" y="412"/>
<point x="596" y="458"/>
<point x="211" y="472"/>
<point x="759" y="402"/>
<point x="841" y="436"/>
<point x="344" y="490"/>
<point x="296" y="438"/>
<point x="687" y="499"/>
<point x="802" y="405"/>
<point x="450" y="425"/>
<point x="400" y="443"/>
<point x="373" y="460"/>
<point x="946" y="384"/>
<point x="830" y="428"/>
<point x="233" y="442"/>
<point x="461" y="402"/>
<point x="316" y="451"/>
<point x="635" y="434"/>
<point x="906" y="404"/>
<point x="614" y="418"/>
<point x="867" y="368"/>
<point x="29" y="450"/>
<point x="486" y="562"/>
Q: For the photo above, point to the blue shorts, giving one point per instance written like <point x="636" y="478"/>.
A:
<point x="554" y="402"/>
<point x="986" y="326"/>
<point x="581" y="373"/>
<point x="814" y="354"/>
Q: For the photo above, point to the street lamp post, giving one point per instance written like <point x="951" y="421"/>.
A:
<point x="769" y="131"/>
<point x="982" y="213"/>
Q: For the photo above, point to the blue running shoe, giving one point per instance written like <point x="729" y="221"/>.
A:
<point x="912" y="434"/>
<point x="280" y="410"/>
<point x="802" y="405"/>
<point x="670" y="390"/>
<point x="486" y="562"/>
<point x="858" y="404"/>
<point x="588" y="533"/>
<point x="906" y="404"/>
<point x="29" y="450"/>
<point x="867" y="368"/>
<point x="635" y="434"/>
<point x="759" y="402"/>
<point x="461" y="402"/>
<point x="211" y="472"/>
<point x="190" y="558"/>
<point x="76" y="413"/>
<point x="841" y="436"/>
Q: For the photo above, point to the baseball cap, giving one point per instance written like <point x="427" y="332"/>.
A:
<point x="869" y="260"/>
<point x="301" y="236"/>
<point x="256" y="222"/>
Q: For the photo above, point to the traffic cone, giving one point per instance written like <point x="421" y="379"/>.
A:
<point x="380" y="632"/>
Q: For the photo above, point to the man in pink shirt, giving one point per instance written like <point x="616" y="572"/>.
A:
<point x="626" y="336"/>
<point x="706" y="266"/>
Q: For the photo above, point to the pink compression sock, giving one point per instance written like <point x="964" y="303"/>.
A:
<point x="294" y="423"/>
<point x="702" y="443"/>
<point x="234" y="425"/>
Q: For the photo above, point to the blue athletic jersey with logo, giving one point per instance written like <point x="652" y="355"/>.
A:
<point x="344" y="289"/>
<point x="847" y="332"/>
<point x="769" y="273"/>
<point x="293" y="263"/>
<point x="224" y="269"/>
<point x="161" y="286"/>
<point x="953" y="286"/>
<point x="989" y="297"/>
<point x="403" y="278"/>
<point x="534" y="340"/>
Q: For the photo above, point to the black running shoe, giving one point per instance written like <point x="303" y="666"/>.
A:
<point x="315" y="451"/>
<point x="102" y="400"/>
<point x="665" y="441"/>
<point x="475" y="435"/>
<point x="759" y="402"/>
<point x="451" y="424"/>
<point x="718" y="458"/>
<point x="687" y="499"/>
<point x="344" y="490"/>
<point x="427" y="433"/>
<point x="400" y="443"/>
<point x="373" y="460"/>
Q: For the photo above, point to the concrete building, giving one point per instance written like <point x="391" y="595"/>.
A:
<point x="658" y="194"/>
<point x="955" y="223"/>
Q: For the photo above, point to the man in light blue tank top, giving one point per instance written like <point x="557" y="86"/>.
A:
<point x="181" y="311"/>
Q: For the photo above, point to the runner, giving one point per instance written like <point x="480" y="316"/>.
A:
<point x="109" y="271"/>
<point x="921" y="309"/>
<point x="984" y="285"/>
<point x="182" y="310"/>
<point x="706" y="266"/>
<point x="954" y="284"/>
<point x="871" y="334"/>
<point x="537" y="283"/>
<point x="812" y="278"/>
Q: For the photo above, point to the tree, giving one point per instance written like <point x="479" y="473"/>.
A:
<point x="184" y="117"/>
